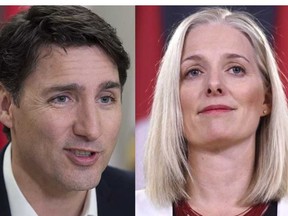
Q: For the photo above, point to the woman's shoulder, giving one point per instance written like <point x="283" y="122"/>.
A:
<point x="282" y="208"/>
<point x="145" y="207"/>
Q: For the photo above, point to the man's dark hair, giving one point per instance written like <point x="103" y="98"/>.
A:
<point x="42" y="26"/>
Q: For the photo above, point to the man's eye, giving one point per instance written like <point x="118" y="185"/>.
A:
<point x="60" y="99"/>
<point x="107" y="99"/>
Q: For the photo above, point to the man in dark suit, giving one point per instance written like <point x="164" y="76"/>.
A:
<point x="62" y="71"/>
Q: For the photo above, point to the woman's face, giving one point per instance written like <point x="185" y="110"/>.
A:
<point x="222" y="93"/>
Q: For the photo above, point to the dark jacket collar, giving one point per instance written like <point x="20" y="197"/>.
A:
<point x="103" y="193"/>
<point x="116" y="193"/>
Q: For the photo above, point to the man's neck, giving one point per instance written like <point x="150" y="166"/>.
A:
<point x="47" y="200"/>
<point x="71" y="205"/>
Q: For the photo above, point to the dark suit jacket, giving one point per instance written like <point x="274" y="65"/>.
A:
<point x="115" y="192"/>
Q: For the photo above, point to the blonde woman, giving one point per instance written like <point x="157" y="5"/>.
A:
<point x="218" y="139"/>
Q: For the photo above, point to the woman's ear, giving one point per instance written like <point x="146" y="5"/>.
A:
<point x="5" y="107"/>
<point x="267" y="104"/>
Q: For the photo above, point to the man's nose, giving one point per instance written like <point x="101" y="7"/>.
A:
<point x="88" y="121"/>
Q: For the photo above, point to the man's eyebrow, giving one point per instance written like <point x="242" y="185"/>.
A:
<point x="62" y="88"/>
<point x="76" y="87"/>
<point x="108" y="85"/>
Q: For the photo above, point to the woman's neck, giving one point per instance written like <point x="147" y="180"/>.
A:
<point x="220" y="177"/>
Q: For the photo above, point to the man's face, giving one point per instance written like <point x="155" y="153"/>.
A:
<point x="66" y="126"/>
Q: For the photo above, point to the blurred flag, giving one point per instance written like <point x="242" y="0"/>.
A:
<point x="281" y="43"/>
<point x="149" y="43"/>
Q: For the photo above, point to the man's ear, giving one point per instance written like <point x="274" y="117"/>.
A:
<point x="5" y="107"/>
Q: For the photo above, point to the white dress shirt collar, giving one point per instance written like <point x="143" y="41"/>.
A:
<point x="19" y="206"/>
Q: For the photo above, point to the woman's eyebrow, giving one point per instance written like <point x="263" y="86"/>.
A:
<point x="234" y="55"/>
<point x="227" y="55"/>
<point x="192" y="57"/>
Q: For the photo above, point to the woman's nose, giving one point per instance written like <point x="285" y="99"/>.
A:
<point x="215" y="85"/>
<point x="215" y="91"/>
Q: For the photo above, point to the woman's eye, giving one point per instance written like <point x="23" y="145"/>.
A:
<point x="194" y="73"/>
<point x="237" y="70"/>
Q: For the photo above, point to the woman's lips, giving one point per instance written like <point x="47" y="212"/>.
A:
<point x="216" y="109"/>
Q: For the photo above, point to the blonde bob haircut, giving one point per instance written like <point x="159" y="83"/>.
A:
<point x="165" y="162"/>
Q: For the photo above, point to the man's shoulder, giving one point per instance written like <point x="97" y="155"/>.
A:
<point x="4" y="206"/>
